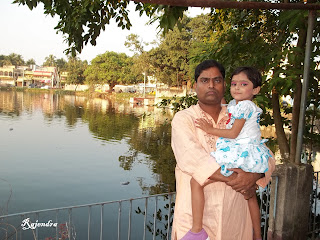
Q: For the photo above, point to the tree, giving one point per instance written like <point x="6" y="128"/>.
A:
<point x="31" y="62"/>
<point x="2" y="58"/>
<point x="50" y="61"/>
<point x="273" y="41"/>
<point x="13" y="59"/>
<point x="200" y="41"/>
<point x="75" y="69"/>
<point x="141" y="59"/>
<point x="110" y="68"/>
<point x="61" y="64"/>
<point x="82" y="21"/>
<point x="172" y="58"/>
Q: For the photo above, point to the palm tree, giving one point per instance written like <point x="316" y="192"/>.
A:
<point x="13" y="59"/>
<point x="50" y="61"/>
<point x="31" y="62"/>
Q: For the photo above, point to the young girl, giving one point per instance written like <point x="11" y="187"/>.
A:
<point x="239" y="146"/>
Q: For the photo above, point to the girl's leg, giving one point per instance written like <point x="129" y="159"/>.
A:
<point x="255" y="216"/>
<point x="197" y="200"/>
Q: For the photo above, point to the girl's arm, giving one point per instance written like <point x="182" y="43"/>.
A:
<point x="226" y="133"/>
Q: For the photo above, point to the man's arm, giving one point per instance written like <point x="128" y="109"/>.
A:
<point x="190" y="155"/>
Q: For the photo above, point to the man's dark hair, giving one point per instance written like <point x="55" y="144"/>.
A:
<point x="252" y="73"/>
<point x="208" y="64"/>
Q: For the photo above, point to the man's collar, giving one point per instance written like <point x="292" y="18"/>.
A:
<point x="223" y="115"/>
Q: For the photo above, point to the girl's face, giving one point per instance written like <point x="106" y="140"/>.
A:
<point x="242" y="88"/>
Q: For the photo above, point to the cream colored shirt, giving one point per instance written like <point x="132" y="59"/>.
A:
<point x="226" y="213"/>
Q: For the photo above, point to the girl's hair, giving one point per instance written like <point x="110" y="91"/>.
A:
<point x="252" y="73"/>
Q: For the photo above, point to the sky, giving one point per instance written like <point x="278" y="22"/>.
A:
<point x="32" y="35"/>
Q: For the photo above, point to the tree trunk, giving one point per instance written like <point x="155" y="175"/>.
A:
<point x="281" y="137"/>
<point x="111" y="86"/>
<point x="295" y="119"/>
<point x="297" y="96"/>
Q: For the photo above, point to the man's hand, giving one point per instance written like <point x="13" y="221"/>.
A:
<point x="244" y="181"/>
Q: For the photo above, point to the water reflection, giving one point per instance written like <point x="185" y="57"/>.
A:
<point x="85" y="148"/>
<point x="88" y="146"/>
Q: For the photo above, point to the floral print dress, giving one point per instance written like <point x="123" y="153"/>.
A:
<point x="247" y="151"/>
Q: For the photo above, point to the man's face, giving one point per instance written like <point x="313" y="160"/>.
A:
<point x="210" y="86"/>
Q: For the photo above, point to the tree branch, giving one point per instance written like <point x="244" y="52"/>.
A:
<point x="232" y="4"/>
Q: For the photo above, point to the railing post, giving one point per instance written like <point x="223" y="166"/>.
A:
<point x="145" y="218"/>
<point x="89" y="222"/>
<point x="155" y="218"/>
<point x="169" y="215"/>
<point x="101" y="223"/>
<point x="130" y="213"/>
<point x="57" y="213"/>
<point x="119" y="220"/>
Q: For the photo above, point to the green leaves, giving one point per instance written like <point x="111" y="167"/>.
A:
<point x="110" y="68"/>
<point x="81" y="21"/>
<point x="179" y="103"/>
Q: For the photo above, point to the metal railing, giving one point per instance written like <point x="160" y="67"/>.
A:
<point x="314" y="216"/>
<point x="153" y="219"/>
<point x="264" y="199"/>
<point x="148" y="217"/>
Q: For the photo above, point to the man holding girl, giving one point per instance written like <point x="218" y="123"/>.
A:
<point x="226" y="215"/>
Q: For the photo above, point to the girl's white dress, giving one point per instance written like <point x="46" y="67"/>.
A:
<point x="247" y="151"/>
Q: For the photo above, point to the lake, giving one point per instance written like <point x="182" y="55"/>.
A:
<point x="60" y="150"/>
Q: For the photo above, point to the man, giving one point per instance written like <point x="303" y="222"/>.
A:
<point x="226" y="214"/>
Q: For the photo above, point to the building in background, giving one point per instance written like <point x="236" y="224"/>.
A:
<point x="29" y="76"/>
<point x="9" y="75"/>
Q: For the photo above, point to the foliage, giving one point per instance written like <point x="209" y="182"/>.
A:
<point x="11" y="59"/>
<point x="273" y="42"/>
<point x="75" y="68"/>
<point x="50" y="61"/>
<point x="179" y="103"/>
<point x="164" y="218"/>
<point x="135" y="44"/>
<point x="110" y="68"/>
<point x="2" y="57"/>
<point x="82" y="21"/>
<point x="61" y="64"/>
<point x="172" y="60"/>
<point x="31" y="62"/>
<point x="141" y="61"/>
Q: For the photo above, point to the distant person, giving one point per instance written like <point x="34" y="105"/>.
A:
<point x="239" y="146"/>
<point x="226" y="214"/>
